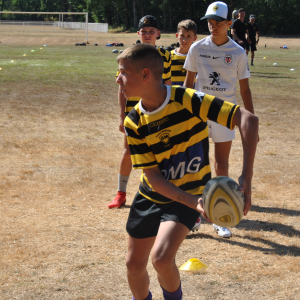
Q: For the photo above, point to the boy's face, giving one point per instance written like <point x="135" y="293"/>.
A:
<point x="242" y="14"/>
<point x="185" y="38"/>
<point x="218" y="29"/>
<point x="148" y="35"/>
<point x="129" y="78"/>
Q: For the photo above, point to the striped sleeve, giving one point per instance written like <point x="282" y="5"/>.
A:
<point x="208" y="107"/>
<point x="141" y="153"/>
<point x="166" y="56"/>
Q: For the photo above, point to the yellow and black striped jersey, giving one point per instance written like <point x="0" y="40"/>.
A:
<point x="166" y="56"/>
<point x="175" y="139"/>
<point x="178" y="73"/>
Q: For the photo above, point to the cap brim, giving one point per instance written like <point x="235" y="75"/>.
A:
<point x="213" y="17"/>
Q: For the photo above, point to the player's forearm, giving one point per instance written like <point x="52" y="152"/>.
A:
<point x="189" y="79"/>
<point x="249" y="135"/>
<point x="162" y="186"/>
<point x="234" y="35"/>
<point x="246" y="94"/>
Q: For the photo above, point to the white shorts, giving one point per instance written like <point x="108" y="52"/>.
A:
<point x="219" y="133"/>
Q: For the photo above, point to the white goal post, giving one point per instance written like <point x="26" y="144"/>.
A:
<point x="55" y="13"/>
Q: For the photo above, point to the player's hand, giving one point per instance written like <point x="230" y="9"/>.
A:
<point x="200" y="209"/>
<point x="257" y="41"/>
<point x="245" y="186"/>
<point x="241" y="42"/>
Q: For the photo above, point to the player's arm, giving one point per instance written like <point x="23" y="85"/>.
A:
<point x="189" y="79"/>
<point x="246" y="94"/>
<point x="257" y="34"/>
<point x="233" y="32"/>
<point x="171" y="191"/>
<point x="248" y="126"/>
<point x="122" y="103"/>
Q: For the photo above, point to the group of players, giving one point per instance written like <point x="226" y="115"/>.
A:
<point x="168" y="113"/>
<point x="243" y="32"/>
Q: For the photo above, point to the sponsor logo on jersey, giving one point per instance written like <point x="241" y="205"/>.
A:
<point x="159" y="122"/>
<point x="205" y="56"/>
<point x="215" y="80"/>
<point x="180" y="164"/>
<point x="164" y="136"/>
<point x="228" y="59"/>
<point x="215" y="57"/>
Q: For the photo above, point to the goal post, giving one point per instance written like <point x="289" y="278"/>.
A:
<point x="54" y="13"/>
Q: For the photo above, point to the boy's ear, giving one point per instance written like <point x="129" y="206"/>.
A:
<point x="176" y="34"/>
<point x="146" y="74"/>
<point x="229" y="23"/>
<point x="195" y="37"/>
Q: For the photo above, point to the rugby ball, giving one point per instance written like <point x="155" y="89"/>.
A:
<point x="223" y="201"/>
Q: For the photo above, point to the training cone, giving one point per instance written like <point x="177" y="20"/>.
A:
<point x="192" y="265"/>
<point x="265" y="58"/>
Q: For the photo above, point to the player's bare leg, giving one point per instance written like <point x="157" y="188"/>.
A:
<point x="125" y="167"/>
<point x="169" y="237"/>
<point x="125" y="163"/>
<point x="136" y="262"/>
<point x="222" y="151"/>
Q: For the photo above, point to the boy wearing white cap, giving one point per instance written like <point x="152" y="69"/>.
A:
<point x="219" y="62"/>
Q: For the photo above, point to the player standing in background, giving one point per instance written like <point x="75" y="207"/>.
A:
<point x="186" y="36"/>
<point x="168" y="138"/>
<point x="253" y="32"/>
<point x="219" y="62"/>
<point x="240" y="29"/>
<point x="235" y="15"/>
<point x="148" y="33"/>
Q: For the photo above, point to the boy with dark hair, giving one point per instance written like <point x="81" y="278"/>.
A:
<point x="148" y="32"/>
<point x="186" y="35"/>
<point x="240" y="29"/>
<point x="219" y="62"/>
<point x="168" y="139"/>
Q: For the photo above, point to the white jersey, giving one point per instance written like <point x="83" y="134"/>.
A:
<point x="218" y="67"/>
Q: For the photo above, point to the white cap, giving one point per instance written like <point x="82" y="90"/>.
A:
<point x="218" y="11"/>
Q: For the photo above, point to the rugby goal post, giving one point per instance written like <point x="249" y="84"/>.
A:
<point x="55" y="13"/>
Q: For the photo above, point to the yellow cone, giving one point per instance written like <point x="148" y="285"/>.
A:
<point x="193" y="264"/>
<point x="24" y="54"/>
<point x="265" y="58"/>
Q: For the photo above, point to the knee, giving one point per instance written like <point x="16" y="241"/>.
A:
<point x="161" y="263"/>
<point x="221" y="165"/>
<point x="134" y="267"/>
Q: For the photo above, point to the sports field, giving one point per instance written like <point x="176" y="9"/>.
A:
<point x="59" y="154"/>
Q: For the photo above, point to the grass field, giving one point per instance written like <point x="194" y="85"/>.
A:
<point x="60" y="150"/>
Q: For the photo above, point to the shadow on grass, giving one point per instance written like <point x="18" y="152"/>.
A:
<point x="274" y="248"/>
<point x="268" y="75"/>
<point x="274" y="210"/>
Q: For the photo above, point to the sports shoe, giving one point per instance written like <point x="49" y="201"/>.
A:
<point x="118" y="201"/>
<point x="222" y="231"/>
<point x="197" y="225"/>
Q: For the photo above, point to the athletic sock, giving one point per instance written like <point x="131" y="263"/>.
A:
<point x="149" y="297"/>
<point x="177" y="295"/>
<point x="122" y="183"/>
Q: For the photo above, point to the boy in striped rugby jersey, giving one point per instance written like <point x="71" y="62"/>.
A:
<point x="168" y="140"/>
<point x="186" y="35"/>
<point x="148" y="33"/>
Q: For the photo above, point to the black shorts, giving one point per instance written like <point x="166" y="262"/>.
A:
<point x="251" y="47"/>
<point x="145" y="216"/>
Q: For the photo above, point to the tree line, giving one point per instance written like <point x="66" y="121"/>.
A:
<point x="273" y="16"/>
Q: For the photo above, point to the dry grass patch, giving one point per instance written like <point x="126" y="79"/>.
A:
<point x="60" y="149"/>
